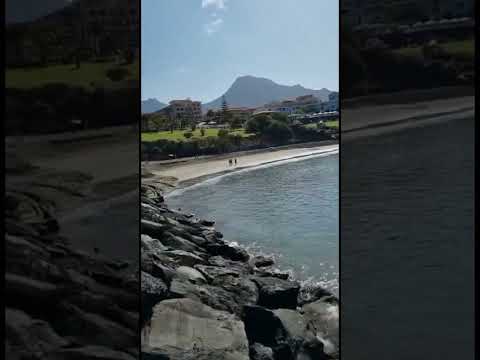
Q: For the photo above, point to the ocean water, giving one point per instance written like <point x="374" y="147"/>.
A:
<point x="289" y="210"/>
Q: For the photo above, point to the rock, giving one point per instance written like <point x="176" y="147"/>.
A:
<point x="28" y="336"/>
<point x="262" y="261"/>
<point x="207" y="223"/>
<point x="92" y="328"/>
<point x="244" y="291"/>
<point x="190" y="274"/>
<point x="152" y="229"/>
<point x="313" y="293"/>
<point x="272" y="273"/>
<point x="150" y="264"/>
<point x="215" y="272"/>
<point x="184" y="257"/>
<point x="154" y="290"/>
<point x="148" y="243"/>
<point x="238" y="266"/>
<point x="186" y="329"/>
<point x="90" y="352"/>
<point x="260" y="352"/>
<point x="277" y="293"/>
<point x="262" y="326"/>
<point x="322" y="317"/>
<point x="213" y="296"/>
<point x="294" y="324"/>
<point x="179" y="243"/>
<point x="228" y="252"/>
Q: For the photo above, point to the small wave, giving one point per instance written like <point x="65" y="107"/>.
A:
<point x="217" y="177"/>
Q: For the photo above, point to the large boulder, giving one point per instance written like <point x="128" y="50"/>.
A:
<point x="276" y="293"/>
<point x="28" y="336"/>
<point x="215" y="272"/>
<point x="179" y="243"/>
<point x="260" y="352"/>
<point x="323" y="318"/>
<point x="186" y="329"/>
<point x="214" y="296"/>
<point x="227" y="251"/>
<point x="262" y="261"/>
<point x="154" y="290"/>
<point x="190" y="274"/>
<point x="185" y="258"/>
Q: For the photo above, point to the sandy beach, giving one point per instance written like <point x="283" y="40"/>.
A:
<point x="195" y="169"/>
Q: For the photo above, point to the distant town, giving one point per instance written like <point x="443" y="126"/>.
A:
<point x="187" y="112"/>
<point x="182" y="128"/>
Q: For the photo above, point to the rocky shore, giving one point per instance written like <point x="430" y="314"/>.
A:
<point x="203" y="298"/>
<point x="62" y="303"/>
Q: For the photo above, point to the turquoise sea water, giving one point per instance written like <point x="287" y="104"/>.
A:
<point x="289" y="210"/>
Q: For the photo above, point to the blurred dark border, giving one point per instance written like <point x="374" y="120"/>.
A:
<point x="407" y="179"/>
<point x="72" y="179"/>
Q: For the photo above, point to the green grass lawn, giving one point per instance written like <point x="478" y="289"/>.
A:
<point x="178" y="135"/>
<point x="88" y="73"/>
<point x="462" y="50"/>
<point x="332" y="123"/>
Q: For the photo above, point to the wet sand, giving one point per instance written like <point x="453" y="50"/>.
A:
<point x="201" y="168"/>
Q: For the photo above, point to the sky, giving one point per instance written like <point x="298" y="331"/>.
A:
<point x="197" y="48"/>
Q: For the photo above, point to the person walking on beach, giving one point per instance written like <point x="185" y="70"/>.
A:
<point x="235" y="161"/>
<point x="229" y="162"/>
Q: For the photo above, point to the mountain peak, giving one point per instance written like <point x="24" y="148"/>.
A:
<point x="151" y="105"/>
<point x="253" y="91"/>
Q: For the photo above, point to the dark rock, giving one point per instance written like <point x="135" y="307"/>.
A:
<point x="277" y="293"/>
<point x="150" y="263"/>
<point x="272" y="273"/>
<point x="228" y="252"/>
<point x="308" y="294"/>
<point x="148" y="243"/>
<point x="90" y="352"/>
<point x="238" y="266"/>
<point x="215" y="272"/>
<point x="152" y="229"/>
<point x="207" y="223"/>
<point x="30" y="337"/>
<point x="262" y="326"/>
<point x="260" y="352"/>
<point x="190" y="274"/>
<point x="262" y="261"/>
<point x="154" y="290"/>
<point x="205" y="333"/>
<point x="244" y="291"/>
<point x="179" y="243"/>
<point x="184" y="257"/>
<point x="92" y="328"/>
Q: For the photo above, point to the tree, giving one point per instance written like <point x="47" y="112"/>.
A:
<point x="210" y="113"/>
<point x="236" y="122"/>
<point x="225" y="112"/>
<point x="222" y="133"/>
<point x="202" y="132"/>
<point x="280" y="117"/>
<point x="257" y="124"/>
<point x="277" y="130"/>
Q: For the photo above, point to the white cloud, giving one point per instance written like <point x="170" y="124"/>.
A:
<point x="219" y="4"/>
<point x="213" y="26"/>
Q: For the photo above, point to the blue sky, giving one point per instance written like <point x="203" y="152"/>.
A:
<point x="197" y="48"/>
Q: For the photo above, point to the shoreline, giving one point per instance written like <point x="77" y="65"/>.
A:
<point x="191" y="172"/>
<point x="202" y="274"/>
